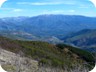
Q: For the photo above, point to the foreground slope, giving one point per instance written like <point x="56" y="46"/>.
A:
<point x="12" y="62"/>
<point x="47" y="56"/>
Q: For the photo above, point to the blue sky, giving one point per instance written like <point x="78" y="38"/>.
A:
<point x="14" y="8"/>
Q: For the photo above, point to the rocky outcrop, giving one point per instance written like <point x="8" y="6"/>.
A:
<point x="15" y="63"/>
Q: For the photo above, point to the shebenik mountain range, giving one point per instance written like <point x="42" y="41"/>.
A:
<point x="75" y="30"/>
<point x="51" y="43"/>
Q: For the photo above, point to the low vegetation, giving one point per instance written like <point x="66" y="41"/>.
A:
<point x="46" y="54"/>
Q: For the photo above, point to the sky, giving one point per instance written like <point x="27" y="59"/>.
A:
<point x="14" y="8"/>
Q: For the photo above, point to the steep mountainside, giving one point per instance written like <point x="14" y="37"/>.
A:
<point x="47" y="57"/>
<point x="86" y="39"/>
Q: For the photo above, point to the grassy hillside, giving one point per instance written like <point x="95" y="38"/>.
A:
<point x="49" y="55"/>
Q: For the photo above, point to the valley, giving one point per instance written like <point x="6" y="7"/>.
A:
<point x="48" y="43"/>
<point x="70" y="29"/>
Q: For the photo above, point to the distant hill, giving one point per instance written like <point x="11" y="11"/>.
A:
<point x="85" y="39"/>
<point x="58" y="56"/>
<point x="48" y="25"/>
<point x="49" y="28"/>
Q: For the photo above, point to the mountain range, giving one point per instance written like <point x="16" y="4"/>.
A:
<point x="71" y="29"/>
<point x="48" y="25"/>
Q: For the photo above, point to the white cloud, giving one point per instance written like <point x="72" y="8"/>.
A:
<point x="46" y="3"/>
<point x="17" y="10"/>
<point x="71" y="11"/>
<point x="6" y="8"/>
<point x="57" y="11"/>
<point x="84" y="6"/>
<point x="11" y="9"/>
<point x="52" y="11"/>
